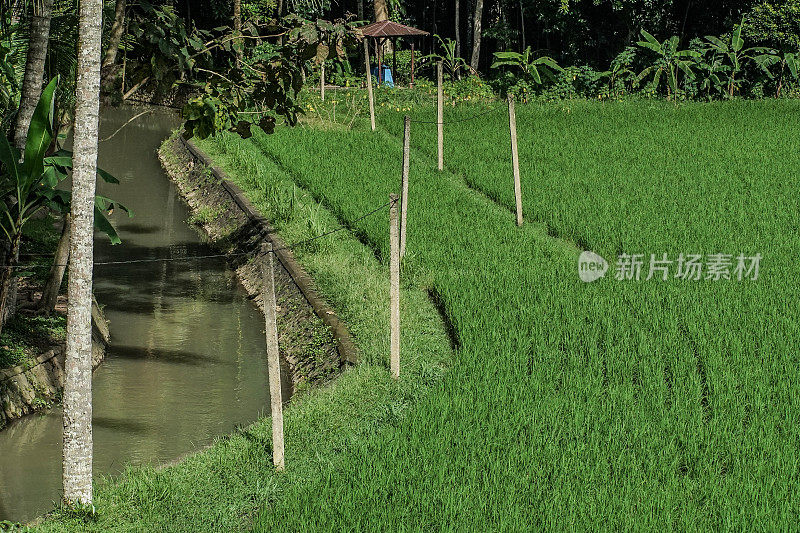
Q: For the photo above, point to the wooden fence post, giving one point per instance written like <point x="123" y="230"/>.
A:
<point x="322" y="81"/>
<point x="369" y="85"/>
<point x="440" y="114"/>
<point x="273" y="360"/>
<point x="404" y="184"/>
<point x="512" y="124"/>
<point x="394" y="300"/>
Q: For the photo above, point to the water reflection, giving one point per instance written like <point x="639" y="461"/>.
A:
<point x="187" y="362"/>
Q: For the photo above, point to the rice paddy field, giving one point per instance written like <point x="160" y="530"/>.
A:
<point x="618" y="404"/>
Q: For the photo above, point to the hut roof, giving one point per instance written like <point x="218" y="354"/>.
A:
<point x="387" y="28"/>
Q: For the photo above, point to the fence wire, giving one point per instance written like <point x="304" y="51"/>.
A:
<point x="291" y="247"/>
<point x="467" y="119"/>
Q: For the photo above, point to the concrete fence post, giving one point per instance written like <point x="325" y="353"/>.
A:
<point x="440" y="115"/>
<point x="322" y="81"/>
<point x="273" y="359"/>
<point x="404" y="184"/>
<point x="512" y="125"/>
<point x="369" y="85"/>
<point x="394" y="299"/>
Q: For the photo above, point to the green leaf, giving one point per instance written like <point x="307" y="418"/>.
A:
<point x="106" y="177"/>
<point x="508" y="55"/>
<point x="49" y="177"/>
<point x="654" y="47"/>
<point x="9" y="156"/>
<point x="736" y="40"/>
<point x="535" y="74"/>
<point x="718" y="44"/>
<point x="792" y="64"/>
<point x="40" y="133"/>
<point x="103" y="224"/>
<point x="550" y="62"/>
<point x="59" y="161"/>
<point x="650" y="38"/>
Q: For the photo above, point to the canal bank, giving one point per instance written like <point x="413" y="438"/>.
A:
<point x="228" y="486"/>
<point x="314" y="343"/>
<point x="37" y="384"/>
<point x="187" y="364"/>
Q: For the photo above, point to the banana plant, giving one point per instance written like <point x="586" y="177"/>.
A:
<point x="734" y="51"/>
<point x="713" y="73"/>
<point x="451" y="63"/>
<point x="29" y="183"/>
<point x="620" y="72"/>
<point x="669" y="62"/>
<point x="533" y="68"/>
<point x="788" y="61"/>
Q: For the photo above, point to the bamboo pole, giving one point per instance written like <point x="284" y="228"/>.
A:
<point x="440" y="115"/>
<point x="369" y="85"/>
<point x="394" y="300"/>
<point x="411" y="85"/>
<point x="273" y="360"/>
<point x="404" y="184"/>
<point x="322" y="81"/>
<point x="512" y="126"/>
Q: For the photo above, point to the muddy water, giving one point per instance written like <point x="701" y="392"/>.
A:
<point x="187" y="361"/>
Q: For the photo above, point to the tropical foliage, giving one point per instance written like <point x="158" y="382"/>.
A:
<point x="530" y="66"/>
<point x="668" y="64"/>
<point x="452" y="64"/>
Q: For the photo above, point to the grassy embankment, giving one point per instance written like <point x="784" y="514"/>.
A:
<point x="222" y="488"/>
<point x="617" y="404"/>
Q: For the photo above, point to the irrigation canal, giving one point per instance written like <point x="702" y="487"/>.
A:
<point x="186" y="362"/>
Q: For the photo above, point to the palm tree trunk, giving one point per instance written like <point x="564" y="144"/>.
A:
<point x="77" y="465"/>
<point x="7" y="280"/>
<point x="476" y="35"/>
<point x="34" y="69"/>
<point x="115" y="35"/>
<point x="47" y="303"/>
<point x="457" y="23"/>
<point x="279" y="11"/>
<point x="470" y="16"/>
<point x="237" y="26"/>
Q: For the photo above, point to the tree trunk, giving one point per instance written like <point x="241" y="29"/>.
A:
<point x="34" y="69"/>
<point x="115" y="35"/>
<point x="237" y="26"/>
<point x="457" y="16"/>
<point x="476" y="35"/>
<point x="77" y="465"/>
<point x="360" y="9"/>
<point x="470" y="16"/>
<point x="382" y="13"/>
<point x="279" y="11"/>
<point x="47" y="303"/>
<point x="381" y="10"/>
<point x="7" y="280"/>
<point x="522" y="26"/>
<point x="31" y="92"/>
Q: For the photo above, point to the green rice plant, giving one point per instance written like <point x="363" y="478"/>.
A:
<point x="606" y="405"/>
<point x="651" y="398"/>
